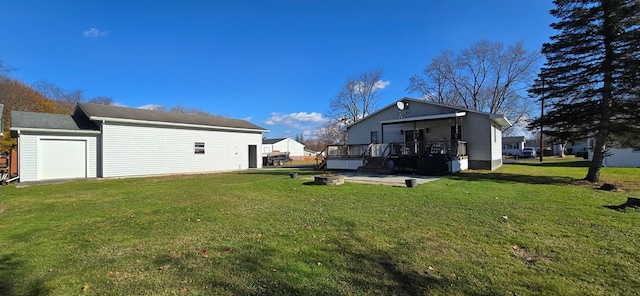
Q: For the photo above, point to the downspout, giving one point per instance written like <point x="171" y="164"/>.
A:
<point x="101" y="161"/>
<point x="19" y="163"/>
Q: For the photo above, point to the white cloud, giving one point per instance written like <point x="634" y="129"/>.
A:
<point x="361" y="86"/>
<point x="94" y="32"/>
<point x="381" y="84"/>
<point x="294" y="120"/>
<point x="151" y="107"/>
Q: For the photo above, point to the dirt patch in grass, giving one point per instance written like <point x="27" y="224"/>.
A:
<point x="529" y="256"/>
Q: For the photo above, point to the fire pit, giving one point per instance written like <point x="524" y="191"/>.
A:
<point x="328" y="179"/>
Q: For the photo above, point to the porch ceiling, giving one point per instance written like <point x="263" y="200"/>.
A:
<point x="424" y="118"/>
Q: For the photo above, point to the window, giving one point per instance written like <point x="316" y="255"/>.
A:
<point x="198" y="148"/>
<point x="374" y="137"/>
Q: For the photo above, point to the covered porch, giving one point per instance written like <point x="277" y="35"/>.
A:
<point x="427" y="145"/>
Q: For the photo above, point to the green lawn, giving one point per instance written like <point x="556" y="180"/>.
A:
<point x="527" y="228"/>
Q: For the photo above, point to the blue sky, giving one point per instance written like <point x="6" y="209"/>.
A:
<point x="276" y="63"/>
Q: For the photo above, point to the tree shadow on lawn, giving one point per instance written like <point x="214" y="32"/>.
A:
<point x="516" y="178"/>
<point x="12" y="275"/>
<point x="566" y="164"/>
<point x="347" y="264"/>
<point x="383" y="272"/>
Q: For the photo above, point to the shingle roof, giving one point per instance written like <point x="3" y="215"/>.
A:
<point x="116" y="112"/>
<point x="34" y="120"/>
<point x="272" y="141"/>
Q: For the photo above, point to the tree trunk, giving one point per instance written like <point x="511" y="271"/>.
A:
<point x="596" y="162"/>
<point x="607" y="98"/>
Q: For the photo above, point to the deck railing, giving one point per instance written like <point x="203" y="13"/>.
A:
<point x="451" y="148"/>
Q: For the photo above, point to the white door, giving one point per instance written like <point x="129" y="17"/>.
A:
<point x="62" y="159"/>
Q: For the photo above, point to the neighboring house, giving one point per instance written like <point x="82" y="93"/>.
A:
<point x="308" y="152"/>
<point x="622" y="157"/>
<point x="578" y="146"/>
<point x="550" y="148"/>
<point x="295" y="148"/>
<point x="416" y="135"/>
<point x="110" y="141"/>
<point x="513" y="145"/>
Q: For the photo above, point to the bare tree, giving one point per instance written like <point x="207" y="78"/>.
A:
<point x="358" y="97"/>
<point x="101" y="100"/>
<point x="56" y="93"/>
<point x="331" y="132"/>
<point x="4" y="69"/>
<point x="485" y="77"/>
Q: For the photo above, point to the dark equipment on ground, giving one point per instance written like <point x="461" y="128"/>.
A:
<point x="276" y="158"/>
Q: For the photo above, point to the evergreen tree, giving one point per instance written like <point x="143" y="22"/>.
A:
<point x="591" y="80"/>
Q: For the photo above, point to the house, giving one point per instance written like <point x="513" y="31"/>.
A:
<point x="622" y="157"/>
<point x="579" y="147"/>
<point x="109" y="141"/>
<point x="295" y="148"/>
<point x="513" y="145"/>
<point x="423" y="137"/>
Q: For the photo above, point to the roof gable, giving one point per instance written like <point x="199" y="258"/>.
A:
<point x="116" y="113"/>
<point x="499" y="119"/>
<point x="272" y="141"/>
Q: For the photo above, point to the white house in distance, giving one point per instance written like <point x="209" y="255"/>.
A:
<point x="295" y="148"/>
<point x="111" y="141"/>
<point x="513" y="145"/>
<point x="423" y="137"/>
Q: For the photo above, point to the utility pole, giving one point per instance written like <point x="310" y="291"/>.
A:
<point x="541" y="123"/>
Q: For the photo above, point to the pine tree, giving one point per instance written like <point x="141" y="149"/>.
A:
<point x="591" y="80"/>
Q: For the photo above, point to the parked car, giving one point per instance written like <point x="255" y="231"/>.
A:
<point x="582" y="154"/>
<point x="529" y="152"/>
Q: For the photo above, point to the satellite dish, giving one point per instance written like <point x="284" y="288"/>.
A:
<point x="400" y="105"/>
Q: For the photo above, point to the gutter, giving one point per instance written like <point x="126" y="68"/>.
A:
<point x="174" y="124"/>
<point x="49" y="130"/>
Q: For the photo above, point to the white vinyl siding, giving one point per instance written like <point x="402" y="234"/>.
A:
<point x="294" y="148"/>
<point x="496" y="146"/>
<point x="479" y="136"/>
<point x="28" y="158"/>
<point x="131" y="150"/>
<point x="627" y="157"/>
<point x="45" y="157"/>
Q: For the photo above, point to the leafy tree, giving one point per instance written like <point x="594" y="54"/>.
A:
<point x="591" y="80"/>
<point x="299" y="138"/>
<point x="18" y="96"/>
<point x="487" y="77"/>
<point x="358" y="97"/>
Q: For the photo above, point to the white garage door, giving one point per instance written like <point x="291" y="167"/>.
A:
<point x="61" y="159"/>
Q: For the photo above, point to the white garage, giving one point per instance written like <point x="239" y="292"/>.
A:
<point x="100" y="141"/>
<point x="62" y="158"/>
<point x="54" y="146"/>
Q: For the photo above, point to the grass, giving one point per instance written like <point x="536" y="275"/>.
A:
<point x="527" y="228"/>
